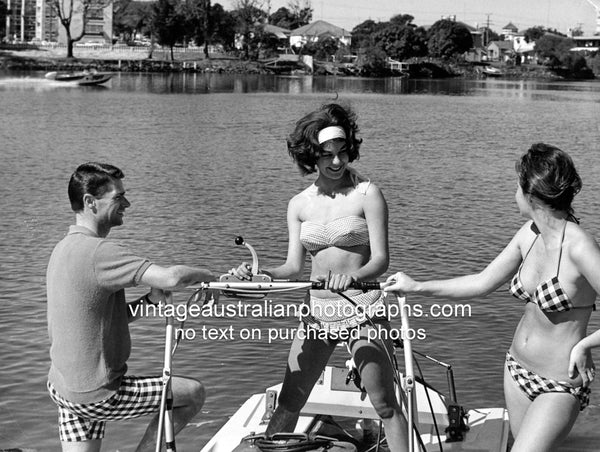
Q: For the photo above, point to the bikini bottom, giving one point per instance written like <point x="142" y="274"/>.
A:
<point x="533" y="384"/>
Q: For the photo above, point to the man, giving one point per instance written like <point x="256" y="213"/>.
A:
<point x="88" y="319"/>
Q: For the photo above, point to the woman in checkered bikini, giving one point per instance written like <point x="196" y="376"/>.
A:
<point x="553" y="263"/>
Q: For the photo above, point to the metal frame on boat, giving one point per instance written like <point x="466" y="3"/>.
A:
<point x="439" y="423"/>
<point x="435" y="421"/>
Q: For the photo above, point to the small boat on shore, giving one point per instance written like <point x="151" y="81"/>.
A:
<point x="491" y="71"/>
<point x="81" y="78"/>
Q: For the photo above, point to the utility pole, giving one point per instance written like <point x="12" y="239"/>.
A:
<point x="22" y="20"/>
<point x="8" y="14"/>
<point x="487" y="30"/>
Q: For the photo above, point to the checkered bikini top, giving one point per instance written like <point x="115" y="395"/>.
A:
<point x="346" y="231"/>
<point x="548" y="295"/>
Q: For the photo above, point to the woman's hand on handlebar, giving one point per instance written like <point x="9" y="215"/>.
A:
<point x="400" y="283"/>
<point x="243" y="272"/>
<point x="337" y="282"/>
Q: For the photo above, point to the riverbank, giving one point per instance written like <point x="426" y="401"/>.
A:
<point x="140" y="60"/>
<point x="193" y="60"/>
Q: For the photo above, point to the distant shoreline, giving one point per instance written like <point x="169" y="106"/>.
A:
<point x="54" y="59"/>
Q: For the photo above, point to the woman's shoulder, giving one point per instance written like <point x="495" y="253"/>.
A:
<point x="578" y="239"/>
<point x="370" y="190"/>
<point x="301" y="198"/>
<point x="526" y="234"/>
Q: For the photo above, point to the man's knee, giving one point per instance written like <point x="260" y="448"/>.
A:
<point x="198" y="394"/>
<point x="189" y="391"/>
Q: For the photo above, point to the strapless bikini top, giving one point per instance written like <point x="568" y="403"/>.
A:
<point x="346" y="231"/>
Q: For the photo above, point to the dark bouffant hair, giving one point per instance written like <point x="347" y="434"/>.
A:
<point x="549" y="174"/>
<point x="303" y="144"/>
<point x="93" y="178"/>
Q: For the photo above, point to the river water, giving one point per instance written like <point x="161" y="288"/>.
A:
<point x="205" y="161"/>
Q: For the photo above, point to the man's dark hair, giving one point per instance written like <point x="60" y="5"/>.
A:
<point x="93" y="178"/>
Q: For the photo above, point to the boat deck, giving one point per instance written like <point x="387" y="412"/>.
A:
<point x="488" y="427"/>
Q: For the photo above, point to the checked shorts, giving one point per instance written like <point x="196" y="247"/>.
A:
<point x="533" y="384"/>
<point x="137" y="396"/>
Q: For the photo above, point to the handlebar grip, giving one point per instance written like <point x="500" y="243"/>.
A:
<point x="366" y="285"/>
<point x="358" y="285"/>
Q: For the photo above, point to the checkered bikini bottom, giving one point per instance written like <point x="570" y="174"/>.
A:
<point x="533" y="384"/>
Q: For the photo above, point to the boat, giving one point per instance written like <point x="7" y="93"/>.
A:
<point x="81" y="78"/>
<point x="436" y="421"/>
<point x="491" y="71"/>
<point x="441" y="423"/>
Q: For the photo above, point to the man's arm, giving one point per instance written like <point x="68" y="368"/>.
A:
<point x="174" y="277"/>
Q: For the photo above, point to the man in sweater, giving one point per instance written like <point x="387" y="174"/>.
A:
<point x="88" y="319"/>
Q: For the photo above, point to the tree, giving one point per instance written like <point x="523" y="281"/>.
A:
<point x="282" y="18"/>
<point x="197" y="17"/>
<point x="373" y="61"/>
<point x="131" y="17"/>
<point x="489" y="35"/>
<point x="534" y="33"/>
<point x="362" y="34"/>
<point x="301" y="12"/>
<point x="556" y="52"/>
<point x="3" y="14"/>
<point x="447" y="39"/>
<point x="402" y="20"/>
<point x="554" y="49"/>
<point x="168" y="23"/>
<point x="289" y="19"/>
<point x="323" y="49"/>
<point x="249" y="19"/>
<point x="222" y="26"/>
<point x="400" y="39"/>
<point x="67" y="10"/>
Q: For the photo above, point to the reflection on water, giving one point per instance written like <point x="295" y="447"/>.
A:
<point x="206" y="83"/>
<point x="202" y="169"/>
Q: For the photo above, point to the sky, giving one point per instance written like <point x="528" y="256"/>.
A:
<point x="558" y="14"/>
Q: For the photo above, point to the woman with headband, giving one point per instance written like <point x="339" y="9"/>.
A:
<point x="552" y="264"/>
<point x="341" y="221"/>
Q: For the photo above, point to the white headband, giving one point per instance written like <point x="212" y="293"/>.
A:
<point x="331" y="133"/>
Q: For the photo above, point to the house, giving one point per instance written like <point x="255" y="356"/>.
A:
<point x="500" y="50"/>
<point x="586" y="44"/>
<point x="316" y="31"/>
<point x="37" y="21"/>
<point x="476" y="35"/>
<point x="399" y="67"/>
<point x="523" y="49"/>
<point x="509" y="30"/>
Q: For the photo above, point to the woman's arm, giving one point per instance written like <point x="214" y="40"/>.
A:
<point x="469" y="286"/>
<point x="294" y="263"/>
<point x="376" y="215"/>
<point x="586" y="256"/>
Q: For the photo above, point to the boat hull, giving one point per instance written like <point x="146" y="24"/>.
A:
<point x="80" y="78"/>
<point x="488" y="427"/>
